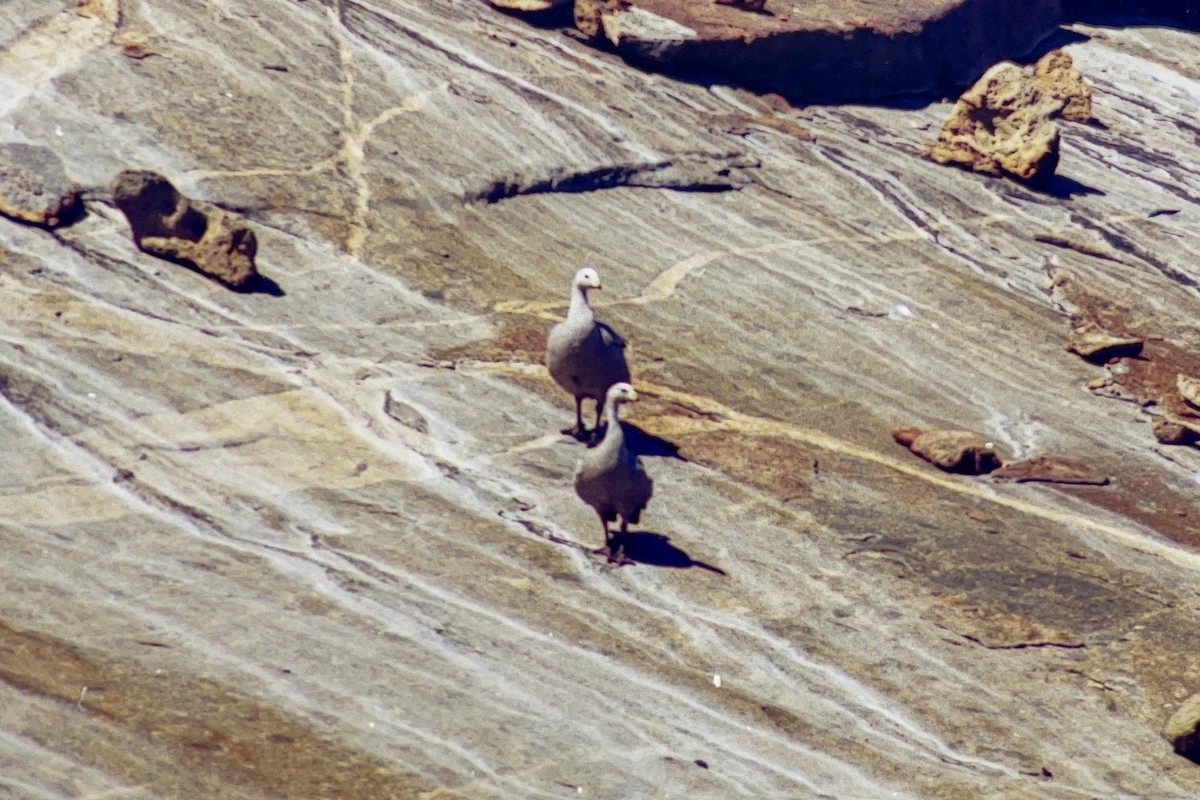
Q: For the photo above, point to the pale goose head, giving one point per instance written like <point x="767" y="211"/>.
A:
<point x="587" y="278"/>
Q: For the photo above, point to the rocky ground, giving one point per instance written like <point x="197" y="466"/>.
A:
<point x="318" y="537"/>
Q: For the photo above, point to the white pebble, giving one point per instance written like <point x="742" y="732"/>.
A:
<point x="717" y="681"/>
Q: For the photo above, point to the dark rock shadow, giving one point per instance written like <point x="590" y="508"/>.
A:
<point x="1183" y="14"/>
<point x="639" y="441"/>
<point x="260" y="284"/>
<point x="655" y="549"/>
<point x="1064" y="187"/>
<point x="550" y="19"/>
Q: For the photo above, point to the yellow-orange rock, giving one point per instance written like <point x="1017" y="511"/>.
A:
<point x="1058" y="76"/>
<point x="1003" y="126"/>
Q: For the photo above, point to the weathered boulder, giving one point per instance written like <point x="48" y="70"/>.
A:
<point x="1003" y="126"/>
<point x="951" y="450"/>
<point x="1058" y="76"/>
<point x="167" y="224"/>
<point x="34" y="187"/>
<point x="589" y="14"/>
<point x="1169" y="429"/>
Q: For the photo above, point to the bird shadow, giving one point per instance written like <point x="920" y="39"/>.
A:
<point x="656" y="550"/>
<point x="638" y="440"/>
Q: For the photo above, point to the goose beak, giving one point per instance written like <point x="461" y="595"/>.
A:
<point x="633" y="394"/>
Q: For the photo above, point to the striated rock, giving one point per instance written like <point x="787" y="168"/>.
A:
<point x="1189" y="389"/>
<point x="527" y="5"/>
<point x="34" y="187"/>
<point x="1058" y="76"/>
<point x="169" y="225"/>
<point x="1183" y="729"/>
<point x="1100" y="346"/>
<point x="951" y="450"/>
<point x="838" y="49"/>
<point x="1003" y="126"/>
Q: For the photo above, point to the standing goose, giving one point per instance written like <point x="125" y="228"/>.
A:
<point x="585" y="356"/>
<point x="609" y="477"/>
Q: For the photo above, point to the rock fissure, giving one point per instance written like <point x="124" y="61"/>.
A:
<point x="717" y="173"/>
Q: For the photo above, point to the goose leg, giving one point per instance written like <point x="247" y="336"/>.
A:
<point x="616" y="547"/>
<point x="578" y="431"/>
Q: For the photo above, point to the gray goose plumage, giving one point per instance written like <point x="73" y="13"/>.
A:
<point x="610" y="477"/>
<point x="585" y="356"/>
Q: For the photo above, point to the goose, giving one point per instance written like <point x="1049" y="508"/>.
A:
<point x="610" y="477"/>
<point x="585" y="356"/>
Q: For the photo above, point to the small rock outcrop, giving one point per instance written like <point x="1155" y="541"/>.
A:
<point x="1183" y="729"/>
<point x="169" y="225"/>
<point x="954" y="451"/>
<point x="1169" y="429"/>
<point x="1058" y="76"/>
<point x="34" y="187"/>
<point x="1099" y="347"/>
<point x="1003" y="126"/>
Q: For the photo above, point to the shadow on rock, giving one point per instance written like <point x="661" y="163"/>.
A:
<point x="638" y="441"/>
<point x="1064" y="187"/>
<point x="261" y="284"/>
<point x="1183" y="14"/>
<point x="656" y="550"/>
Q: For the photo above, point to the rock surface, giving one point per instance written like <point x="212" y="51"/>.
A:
<point x="34" y="187"/>
<point x="1003" y="126"/>
<point x="169" y="225"/>
<point x="326" y="544"/>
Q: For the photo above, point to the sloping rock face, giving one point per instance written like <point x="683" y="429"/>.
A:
<point x="841" y="49"/>
<point x="325" y="544"/>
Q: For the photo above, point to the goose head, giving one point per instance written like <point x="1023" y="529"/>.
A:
<point x="587" y="278"/>
<point x="621" y="393"/>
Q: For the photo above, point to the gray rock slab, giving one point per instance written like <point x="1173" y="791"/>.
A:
<point x="326" y="542"/>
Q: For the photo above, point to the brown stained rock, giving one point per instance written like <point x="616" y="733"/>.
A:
<point x="1003" y="126"/>
<point x="216" y="242"/>
<point x="1189" y="389"/>
<point x="1051" y="469"/>
<point x="34" y="187"/>
<point x="1099" y="346"/>
<point x="1058" y="76"/>
<point x="951" y="450"/>
<point x="1183" y="729"/>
